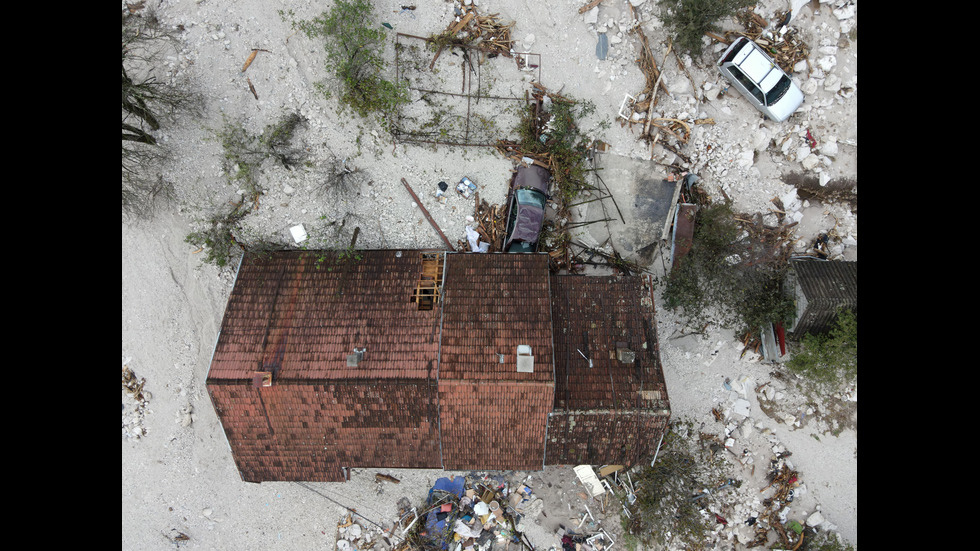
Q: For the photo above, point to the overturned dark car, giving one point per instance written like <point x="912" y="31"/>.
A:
<point x="525" y="213"/>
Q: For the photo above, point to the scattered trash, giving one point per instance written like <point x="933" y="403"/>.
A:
<point x="299" y="233"/>
<point x="589" y="479"/>
<point x="602" y="47"/>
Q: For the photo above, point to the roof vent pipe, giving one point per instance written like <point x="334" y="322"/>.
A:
<point x="354" y="359"/>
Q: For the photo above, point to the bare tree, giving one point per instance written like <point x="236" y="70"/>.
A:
<point x="148" y="101"/>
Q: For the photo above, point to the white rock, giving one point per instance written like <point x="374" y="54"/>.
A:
<point x="816" y="519"/>
<point x="845" y="12"/>
<point x="288" y="189"/>
<point x="827" y="63"/>
<point x="810" y="162"/>
<point x="592" y="16"/>
<point x="528" y="41"/>
<point x="741" y="407"/>
<point x="829" y="147"/>
<point x="791" y="202"/>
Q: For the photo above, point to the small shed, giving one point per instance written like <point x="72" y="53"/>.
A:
<point x="820" y="289"/>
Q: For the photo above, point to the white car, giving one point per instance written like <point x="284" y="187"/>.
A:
<point x="760" y="80"/>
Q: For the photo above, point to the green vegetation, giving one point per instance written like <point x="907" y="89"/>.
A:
<point x="722" y="280"/>
<point x="218" y="236"/>
<point x="354" y="43"/>
<point x="829" y="359"/>
<point x="824" y="541"/>
<point x="689" y="20"/>
<point x="556" y="134"/>
<point x="665" y="511"/>
<point x="244" y="154"/>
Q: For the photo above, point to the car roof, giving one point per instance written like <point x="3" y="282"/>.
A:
<point x="534" y="177"/>
<point x="758" y="67"/>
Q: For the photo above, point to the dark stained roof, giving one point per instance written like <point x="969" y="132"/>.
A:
<point x="491" y="304"/>
<point x="300" y="316"/>
<point x="308" y="432"/>
<point x="592" y="315"/>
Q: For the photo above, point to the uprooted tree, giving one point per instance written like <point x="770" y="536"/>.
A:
<point x="732" y="276"/>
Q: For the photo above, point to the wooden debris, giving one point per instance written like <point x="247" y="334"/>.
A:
<point x="252" y="88"/>
<point x="427" y="216"/>
<point x="786" y="48"/>
<point x="386" y="478"/>
<point x="589" y="6"/>
<point x="249" y="61"/>
<point x="485" y="32"/>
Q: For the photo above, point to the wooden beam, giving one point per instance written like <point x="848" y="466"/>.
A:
<point x="589" y="6"/>
<point x="427" y="216"/>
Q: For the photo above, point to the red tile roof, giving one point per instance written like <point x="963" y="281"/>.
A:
<point x="592" y="315"/>
<point x="613" y="412"/>
<point x="495" y="426"/>
<point x="491" y="304"/>
<point x="308" y="432"/>
<point x="301" y="316"/>
<point x="430" y="390"/>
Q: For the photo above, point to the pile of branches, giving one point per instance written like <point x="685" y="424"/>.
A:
<point x="786" y="48"/>
<point x="489" y="222"/>
<point x="766" y="244"/>
<point x="485" y="32"/>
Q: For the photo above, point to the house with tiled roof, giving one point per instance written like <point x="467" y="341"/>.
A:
<point x="434" y="360"/>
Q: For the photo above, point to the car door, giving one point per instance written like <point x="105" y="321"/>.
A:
<point x="748" y="88"/>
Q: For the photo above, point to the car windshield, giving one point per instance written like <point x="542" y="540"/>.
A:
<point x="530" y="197"/>
<point x="778" y="91"/>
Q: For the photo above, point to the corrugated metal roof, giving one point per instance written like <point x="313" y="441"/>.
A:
<point x="831" y="280"/>
<point x="823" y="288"/>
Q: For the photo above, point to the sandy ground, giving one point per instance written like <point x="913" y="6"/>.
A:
<point x="177" y="472"/>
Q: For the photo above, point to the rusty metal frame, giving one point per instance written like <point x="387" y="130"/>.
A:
<point x="466" y="88"/>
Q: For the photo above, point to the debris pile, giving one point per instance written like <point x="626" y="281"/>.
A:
<point x="485" y="32"/>
<point x="782" y="42"/>
<point x="460" y="513"/>
<point x="353" y="535"/>
<point x="135" y="402"/>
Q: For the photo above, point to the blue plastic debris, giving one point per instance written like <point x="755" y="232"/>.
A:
<point x="602" y="48"/>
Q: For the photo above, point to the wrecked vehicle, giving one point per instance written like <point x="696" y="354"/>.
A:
<point x="525" y="214"/>
<point x="753" y="73"/>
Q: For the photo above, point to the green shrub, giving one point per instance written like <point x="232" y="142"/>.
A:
<point x="689" y="20"/>
<point x="829" y="358"/>
<point x="354" y="43"/>
<point x="561" y="138"/>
